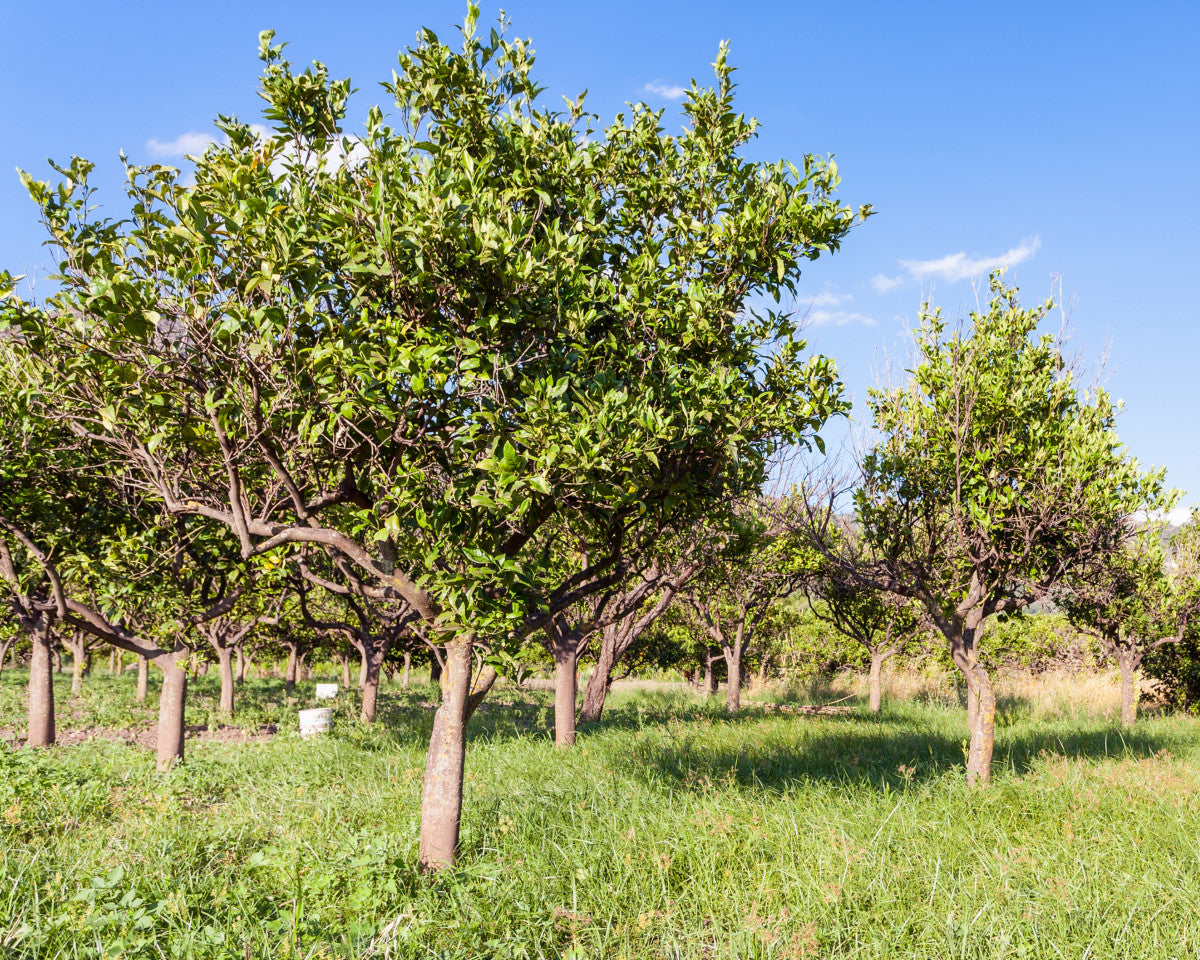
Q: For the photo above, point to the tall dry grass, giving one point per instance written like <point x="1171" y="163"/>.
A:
<point x="1050" y="694"/>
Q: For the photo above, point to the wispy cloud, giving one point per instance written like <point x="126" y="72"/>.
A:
<point x="885" y="284"/>
<point x="666" y="91"/>
<point x="955" y="266"/>
<point x="959" y="266"/>
<point x="192" y="143"/>
<point x="828" y="299"/>
<point x="838" y="318"/>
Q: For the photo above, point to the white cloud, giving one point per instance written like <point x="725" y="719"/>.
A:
<point x="885" y="284"/>
<point x="838" y="318"/>
<point x="660" y="89"/>
<point x="828" y="299"/>
<point x="955" y="266"/>
<point x="958" y="266"/>
<point x="1176" y="517"/>
<point x="186" y="143"/>
<point x="194" y="144"/>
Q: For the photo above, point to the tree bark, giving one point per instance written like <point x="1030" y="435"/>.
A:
<point x="41" y="691"/>
<point x="289" y="677"/>
<point x="876" y="682"/>
<point x="710" y="678"/>
<point x="346" y="671"/>
<point x="1128" y="691"/>
<point x="114" y="661"/>
<point x="56" y="656"/>
<point x="407" y="666"/>
<point x="225" y="660"/>
<point x="733" y="683"/>
<point x="370" y="686"/>
<point x="364" y="668"/>
<point x="4" y="648"/>
<point x="981" y="716"/>
<point x="598" y="684"/>
<point x="76" y="673"/>
<point x="143" y="679"/>
<point x="566" y="666"/>
<point x="441" y="798"/>
<point x="171" y="703"/>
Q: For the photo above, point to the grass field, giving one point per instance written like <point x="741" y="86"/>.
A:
<point x="670" y="831"/>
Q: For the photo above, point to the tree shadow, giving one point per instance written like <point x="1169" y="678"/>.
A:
<point x="887" y="753"/>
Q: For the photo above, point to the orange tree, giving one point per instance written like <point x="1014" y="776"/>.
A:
<point x="415" y="349"/>
<point x="994" y="477"/>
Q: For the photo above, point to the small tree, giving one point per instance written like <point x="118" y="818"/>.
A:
<point x="994" y="477"/>
<point x="881" y="622"/>
<point x="747" y="573"/>
<point x="1137" y="598"/>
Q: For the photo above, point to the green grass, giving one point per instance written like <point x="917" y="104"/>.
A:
<point x="670" y="831"/>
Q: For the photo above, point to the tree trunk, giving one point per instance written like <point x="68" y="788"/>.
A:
<point x="345" y="671"/>
<point x="172" y="700"/>
<point x="435" y="669"/>
<point x="370" y="686"/>
<point x="143" y="679"/>
<point x="441" y="797"/>
<point x="364" y="668"/>
<point x="597" y="686"/>
<point x="566" y="666"/>
<point x="876" y="683"/>
<point x="407" y="666"/>
<point x="76" y="673"/>
<point x="983" y="727"/>
<point x="1128" y="692"/>
<point x="733" y="682"/>
<point x="710" y="678"/>
<point x="4" y="648"/>
<point x="243" y="664"/>
<point x="41" y="691"/>
<point x="114" y="661"/>
<point x="56" y="656"/>
<point x="225" y="660"/>
<point x="293" y="665"/>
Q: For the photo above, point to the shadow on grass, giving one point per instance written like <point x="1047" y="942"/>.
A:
<point x="887" y="752"/>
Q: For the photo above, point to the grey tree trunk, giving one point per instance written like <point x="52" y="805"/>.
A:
<point x="143" y="679"/>
<point x="364" y="669"/>
<point x="407" y="667"/>
<point x="76" y="674"/>
<point x="982" y="720"/>
<point x="41" y="691"/>
<point x="289" y="677"/>
<point x="225" y="660"/>
<point x="598" y="684"/>
<point x="370" y="686"/>
<point x="346" y="671"/>
<point x="1128" y="691"/>
<point x="709" y="684"/>
<point x="171" y="703"/>
<point x="733" y="690"/>
<point x="441" y="797"/>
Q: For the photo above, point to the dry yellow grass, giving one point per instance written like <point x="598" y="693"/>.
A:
<point x="1050" y="694"/>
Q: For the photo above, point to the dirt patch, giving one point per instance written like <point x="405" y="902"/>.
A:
<point x="146" y="738"/>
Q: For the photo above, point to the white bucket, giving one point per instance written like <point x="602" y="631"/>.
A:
<point x="316" y="721"/>
<point x="327" y="691"/>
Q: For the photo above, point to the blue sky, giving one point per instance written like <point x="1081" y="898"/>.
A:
<point x="1061" y="138"/>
